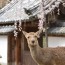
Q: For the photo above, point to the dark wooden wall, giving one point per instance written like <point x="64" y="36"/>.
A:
<point x="18" y="51"/>
<point x="14" y="50"/>
<point x="26" y="58"/>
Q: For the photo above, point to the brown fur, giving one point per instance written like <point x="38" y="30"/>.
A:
<point x="44" y="56"/>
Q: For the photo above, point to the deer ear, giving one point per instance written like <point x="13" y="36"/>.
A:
<point x="24" y="32"/>
<point x="38" y="33"/>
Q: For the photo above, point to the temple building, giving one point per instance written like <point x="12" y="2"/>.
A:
<point x="18" y="15"/>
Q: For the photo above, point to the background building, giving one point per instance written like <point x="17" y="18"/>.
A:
<point x="16" y="14"/>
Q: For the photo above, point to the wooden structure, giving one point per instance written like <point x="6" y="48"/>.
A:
<point x="18" y="52"/>
<point x="56" y="32"/>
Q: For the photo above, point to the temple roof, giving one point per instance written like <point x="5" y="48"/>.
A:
<point x="15" y="9"/>
<point x="58" y="28"/>
<point x="6" y="29"/>
<point x="12" y="11"/>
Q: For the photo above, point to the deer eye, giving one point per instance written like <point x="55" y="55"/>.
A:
<point x="28" y="37"/>
<point x="35" y="36"/>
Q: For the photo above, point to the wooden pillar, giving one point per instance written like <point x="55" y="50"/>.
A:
<point x="14" y="50"/>
<point x="9" y="59"/>
<point x="46" y="34"/>
<point x="18" y="51"/>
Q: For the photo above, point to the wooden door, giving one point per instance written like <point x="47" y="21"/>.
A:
<point x="14" y="50"/>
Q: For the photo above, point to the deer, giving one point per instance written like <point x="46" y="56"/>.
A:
<point x="44" y="56"/>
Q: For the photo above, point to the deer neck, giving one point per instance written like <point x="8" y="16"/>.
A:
<point x="35" y="50"/>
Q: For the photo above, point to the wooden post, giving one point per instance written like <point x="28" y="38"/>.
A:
<point x="9" y="56"/>
<point x="18" y="50"/>
<point x="46" y="36"/>
<point x="16" y="53"/>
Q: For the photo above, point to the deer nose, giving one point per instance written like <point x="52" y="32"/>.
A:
<point x="33" y="41"/>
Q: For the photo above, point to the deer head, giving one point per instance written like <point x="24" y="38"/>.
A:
<point x="32" y="37"/>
